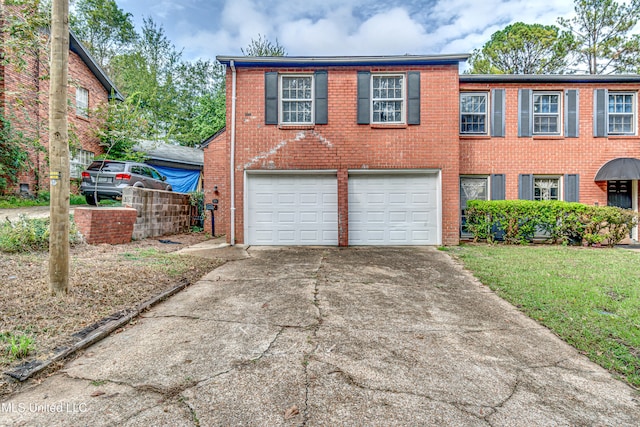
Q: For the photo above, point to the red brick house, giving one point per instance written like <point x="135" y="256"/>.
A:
<point x="386" y="150"/>
<point x="24" y="99"/>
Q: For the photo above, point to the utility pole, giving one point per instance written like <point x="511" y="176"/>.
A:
<point x="59" y="149"/>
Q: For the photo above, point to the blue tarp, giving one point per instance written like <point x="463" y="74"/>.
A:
<point x="181" y="180"/>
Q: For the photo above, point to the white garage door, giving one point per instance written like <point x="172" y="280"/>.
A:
<point x="292" y="209"/>
<point x="394" y="209"/>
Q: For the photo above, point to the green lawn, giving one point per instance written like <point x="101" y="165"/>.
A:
<point x="10" y="202"/>
<point x="589" y="297"/>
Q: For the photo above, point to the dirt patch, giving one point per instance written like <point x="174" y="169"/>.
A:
<point x="104" y="279"/>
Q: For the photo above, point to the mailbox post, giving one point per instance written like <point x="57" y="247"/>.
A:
<point x="213" y="206"/>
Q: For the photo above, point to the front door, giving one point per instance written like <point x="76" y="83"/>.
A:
<point x="619" y="194"/>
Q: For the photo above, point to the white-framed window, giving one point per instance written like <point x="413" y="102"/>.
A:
<point x="79" y="161"/>
<point x="473" y="113"/>
<point x="82" y="102"/>
<point x="388" y="98"/>
<point x="546" y="188"/>
<point x="296" y="99"/>
<point x="621" y="113"/>
<point x="546" y="113"/>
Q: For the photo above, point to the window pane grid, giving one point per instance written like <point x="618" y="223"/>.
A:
<point x="297" y="99"/>
<point x="546" y="188"/>
<point x="473" y="114"/>
<point x="546" y="113"/>
<point x="82" y="102"/>
<point x="621" y="113"/>
<point x="388" y="99"/>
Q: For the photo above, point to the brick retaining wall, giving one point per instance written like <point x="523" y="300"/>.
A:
<point x="105" y="225"/>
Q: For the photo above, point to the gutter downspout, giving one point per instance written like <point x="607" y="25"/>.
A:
<point x="232" y="240"/>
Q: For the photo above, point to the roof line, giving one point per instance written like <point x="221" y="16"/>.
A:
<point x="76" y="46"/>
<point x="316" y="61"/>
<point x="549" y="78"/>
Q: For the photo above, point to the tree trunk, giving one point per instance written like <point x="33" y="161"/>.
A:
<point x="59" y="149"/>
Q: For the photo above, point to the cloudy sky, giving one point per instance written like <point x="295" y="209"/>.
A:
<point x="206" y="28"/>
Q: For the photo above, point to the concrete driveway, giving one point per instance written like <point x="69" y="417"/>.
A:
<point x="308" y="336"/>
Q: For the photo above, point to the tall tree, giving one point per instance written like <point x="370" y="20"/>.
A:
<point x="150" y="70"/>
<point x="103" y="27"/>
<point x="201" y="86"/>
<point x="524" y="49"/>
<point x="602" y="29"/>
<point x="59" y="149"/>
<point x="173" y="94"/>
<point x="263" y="47"/>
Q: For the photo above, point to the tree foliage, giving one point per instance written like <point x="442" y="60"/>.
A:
<point x="263" y="47"/>
<point x="120" y="126"/>
<point x="524" y="49"/>
<point x="23" y="22"/>
<point x="172" y="93"/>
<point x="104" y="28"/>
<point x="23" y="40"/>
<point x="602" y="29"/>
<point x="14" y="156"/>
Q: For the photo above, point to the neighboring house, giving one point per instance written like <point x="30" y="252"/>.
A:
<point x="181" y="165"/>
<point x="387" y="150"/>
<point x="24" y="99"/>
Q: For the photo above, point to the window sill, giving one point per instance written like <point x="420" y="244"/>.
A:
<point x="468" y="136"/>
<point x="623" y="136"/>
<point x="83" y="118"/>
<point x="552" y="137"/>
<point x="388" y="126"/>
<point x="296" y="127"/>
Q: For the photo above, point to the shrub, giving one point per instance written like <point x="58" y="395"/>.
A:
<point x="518" y="221"/>
<point x="30" y="234"/>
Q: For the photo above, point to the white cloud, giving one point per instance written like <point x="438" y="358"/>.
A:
<point x="206" y="28"/>
<point x="393" y="32"/>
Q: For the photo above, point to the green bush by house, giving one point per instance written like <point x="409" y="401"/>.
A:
<point x="519" y="221"/>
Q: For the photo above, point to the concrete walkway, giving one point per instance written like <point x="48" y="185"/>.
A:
<point x="304" y="336"/>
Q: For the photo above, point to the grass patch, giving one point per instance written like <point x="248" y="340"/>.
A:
<point x="166" y="263"/>
<point x="16" y="346"/>
<point x="30" y="234"/>
<point x="11" y="202"/>
<point x="589" y="297"/>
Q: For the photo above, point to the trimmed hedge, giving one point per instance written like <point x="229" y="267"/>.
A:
<point x="519" y="221"/>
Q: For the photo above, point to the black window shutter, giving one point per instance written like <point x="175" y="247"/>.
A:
<point x="572" y="113"/>
<point x="321" y="90"/>
<point x="572" y="188"/>
<point x="498" y="98"/>
<point x="364" y="100"/>
<point x="498" y="187"/>
<point x="413" y="98"/>
<point x="524" y="112"/>
<point x="271" y="98"/>
<point x="525" y="187"/>
<point x="600" y="112"/>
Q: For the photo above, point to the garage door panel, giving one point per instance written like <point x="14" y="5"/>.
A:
<point x="393" y="209"/>
<point x="292" y="209"/>
<point x="309" y="217"/>
<point x="397" y="217"/>
<point x="283" y="199"/>
<point x="396" y="198"/>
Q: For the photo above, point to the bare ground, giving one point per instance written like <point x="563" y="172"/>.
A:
<point x="104" y="279"/>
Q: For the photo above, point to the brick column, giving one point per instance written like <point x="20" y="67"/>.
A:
<point x="343" y="207"/>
